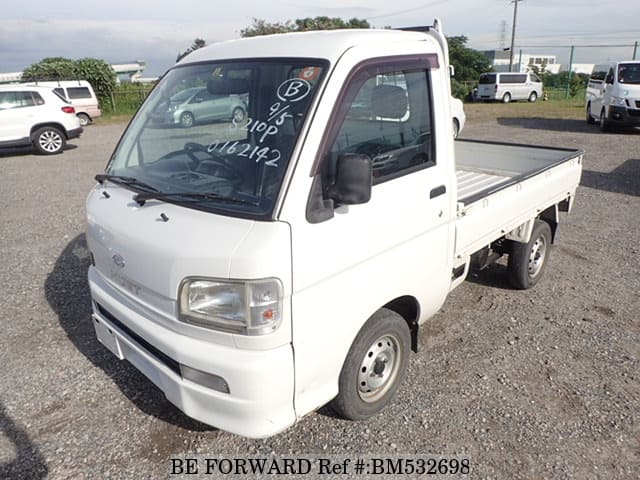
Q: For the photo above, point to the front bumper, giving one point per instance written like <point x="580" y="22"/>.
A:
<point x="624" y="115"/>
<point x="260" y="398"/>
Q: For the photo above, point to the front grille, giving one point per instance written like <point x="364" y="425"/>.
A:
<point x="150" y="349"/>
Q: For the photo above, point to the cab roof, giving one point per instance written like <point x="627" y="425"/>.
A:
<point x="326" y="44"/>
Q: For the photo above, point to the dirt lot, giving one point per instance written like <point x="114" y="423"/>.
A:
<point x="536" y="384"/>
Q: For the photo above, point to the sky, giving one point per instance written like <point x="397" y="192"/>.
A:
<point x="120" y="31"/>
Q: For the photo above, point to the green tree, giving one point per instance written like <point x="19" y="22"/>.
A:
<point x="261" y="27"/>
<point x="97" y="72"/>
<point x="197" y="43"/>
<point x="468" y="64"/>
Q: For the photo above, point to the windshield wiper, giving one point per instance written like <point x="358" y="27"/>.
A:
<point x="119" y="179"/>
<point x="141" y="198"/>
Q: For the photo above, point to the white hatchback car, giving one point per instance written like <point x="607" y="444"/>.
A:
<point x="36" y="116"/>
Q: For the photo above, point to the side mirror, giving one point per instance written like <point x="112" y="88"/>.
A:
<point x="354" y="177"/>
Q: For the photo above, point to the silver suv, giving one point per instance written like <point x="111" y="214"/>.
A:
<point x="36" y="116"/>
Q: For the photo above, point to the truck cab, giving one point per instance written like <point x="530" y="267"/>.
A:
<point x="257" y="268"/>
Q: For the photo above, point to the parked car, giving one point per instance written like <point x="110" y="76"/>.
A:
<point x="613" y="94"/>
<point x="457" y="112"/>
<point x="80" y="94"/>
<point x="36" y="116"/>
<point x="198" y="105"/>
<point x="256" y="273"/>
<point x="505" y="87"/>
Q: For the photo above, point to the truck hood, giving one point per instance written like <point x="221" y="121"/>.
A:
<point x="146" y="257"/>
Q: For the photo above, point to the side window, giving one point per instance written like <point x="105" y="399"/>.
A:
<point x="388" y="118"/>
<point x="60" y="92"/>
<point x="17" y="100"/>
<point x="78" y="92"/>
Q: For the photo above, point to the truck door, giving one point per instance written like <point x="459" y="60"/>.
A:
<point x="397" y="244"/>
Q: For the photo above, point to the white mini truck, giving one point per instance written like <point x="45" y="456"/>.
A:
<point x="256" y="270"/>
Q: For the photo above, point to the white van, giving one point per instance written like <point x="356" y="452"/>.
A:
<point x="80" y="94"/>
<point x="509" y="86"/>
<point x="613" y="94"/>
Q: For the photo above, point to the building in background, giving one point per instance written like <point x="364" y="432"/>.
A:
<point x="125" y="72"/>
<point x="524" y="62"/>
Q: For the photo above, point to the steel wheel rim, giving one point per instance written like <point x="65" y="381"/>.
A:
<point x="50" y="141"/>
<point x="379" y="368"/>
<point x="537" y="256"/>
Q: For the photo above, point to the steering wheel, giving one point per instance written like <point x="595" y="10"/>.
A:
<point x="216" y="165"/>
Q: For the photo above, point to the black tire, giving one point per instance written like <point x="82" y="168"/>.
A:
<point x="527" y="261"/>
<point x="187" y="120"/>
<point x="456" y="128"/>
<point x="533" y="96"/>
<point x="238" y="115"/>
<point x="590" y="119"/>
<point x="506" y="98"/>
<point x="604" y="124"/>
<point x="374" y="367"/>
<point x="49" y="141"/>
<point x="84" y="119"/>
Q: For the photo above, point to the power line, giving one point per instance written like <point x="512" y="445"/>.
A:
<point x="400" y="12"/>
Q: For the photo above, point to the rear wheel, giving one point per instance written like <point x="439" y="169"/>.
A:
<point x="374" y="367"/>
<point x="527" y="261"/>
<point x="533" y="96"/>
<point x="506" y="98"/>
<point x="84" y="119"/>
<point x="49" y="140"/>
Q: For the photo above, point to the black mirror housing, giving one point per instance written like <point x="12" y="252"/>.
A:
<point x="354" y="177"/>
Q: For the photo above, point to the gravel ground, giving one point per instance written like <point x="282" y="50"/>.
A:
<point x="535" y="384"/>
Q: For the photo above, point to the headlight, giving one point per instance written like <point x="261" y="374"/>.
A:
<point x="619" y="102"/>
<point x="247" y="307"/>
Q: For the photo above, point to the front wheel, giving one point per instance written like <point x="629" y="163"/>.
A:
<point x="238" y="115"/>
<point x="49" y="141"/>
<point x="590" y="119"/>
<point x="533" y="96"/>
<point x="527" y="261"/>
<point x="187" y="120"/>
<point x="506" y="98"/>
<point x="374" y="367"/>
<point x="604" y="124"/>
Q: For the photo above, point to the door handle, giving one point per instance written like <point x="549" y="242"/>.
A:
<point x="436" y="192"/>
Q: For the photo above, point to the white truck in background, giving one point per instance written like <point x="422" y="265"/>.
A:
<point x="256" y="270"/>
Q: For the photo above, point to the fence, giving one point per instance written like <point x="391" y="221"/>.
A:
<point x="127" y="98"/>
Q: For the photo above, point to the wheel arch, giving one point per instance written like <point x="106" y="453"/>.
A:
<point x="55" y="125"/>
<point x="552" y="216"/>
<point x="409" y="309"/>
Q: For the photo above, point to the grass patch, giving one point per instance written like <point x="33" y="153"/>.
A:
<point x="564" y="109"/>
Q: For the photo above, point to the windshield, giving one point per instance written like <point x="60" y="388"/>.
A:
<point x="629" y="73"/>
<point x="219" y="136"/>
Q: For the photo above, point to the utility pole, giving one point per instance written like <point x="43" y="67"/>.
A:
<point x="513" y="33"/>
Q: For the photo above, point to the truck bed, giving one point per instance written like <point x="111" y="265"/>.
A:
<point x="501" y="186"/>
